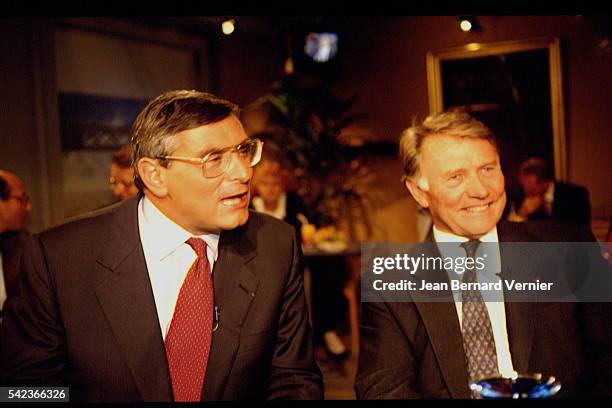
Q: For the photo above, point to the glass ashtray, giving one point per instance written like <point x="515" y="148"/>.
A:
<point x="516" y="387"/>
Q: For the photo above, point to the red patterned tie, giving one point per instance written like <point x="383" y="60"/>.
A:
<point x="189" y="337"/>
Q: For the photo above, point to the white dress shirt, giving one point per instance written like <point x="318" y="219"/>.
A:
<point x="549" y="198"/>
<point x="496" y="309"/>
<point x="168" y="257"/>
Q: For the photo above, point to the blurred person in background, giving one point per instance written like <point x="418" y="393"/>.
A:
<point x="121" y="179"/>
<point x="15" y="207"/>
<point x="542" y="197"/>
<point x="273" y="196"/>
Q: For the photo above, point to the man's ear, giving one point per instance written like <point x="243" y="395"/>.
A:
<point x="417" y="191"/>
<point x="154" y="176"/>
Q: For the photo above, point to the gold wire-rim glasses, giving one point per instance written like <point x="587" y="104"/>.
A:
<point x="217" y="162"/>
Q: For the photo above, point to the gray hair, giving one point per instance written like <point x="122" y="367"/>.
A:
<point x="451" y="123"/>
<point x="155" y="128"/>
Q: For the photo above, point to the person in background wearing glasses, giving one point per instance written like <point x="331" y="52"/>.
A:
<point x="177" y="294"/>
<point x="122" y="174"/>
<point x="15" y="207"/>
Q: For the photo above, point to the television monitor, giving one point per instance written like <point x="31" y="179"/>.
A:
<point x="317" y="52"/>
<point x="321" y="47"/>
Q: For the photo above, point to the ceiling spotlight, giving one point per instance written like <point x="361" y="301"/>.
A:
<point x="465" y="25"/>
<point x="468" y="23"/>
<point x="228" y="26"/>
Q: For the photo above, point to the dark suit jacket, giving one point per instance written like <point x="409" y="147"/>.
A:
<point x="86" y="316"/>
<point x="570" y="203"/>
<point x="11" y="247"/>
<point x="415" y="349"/>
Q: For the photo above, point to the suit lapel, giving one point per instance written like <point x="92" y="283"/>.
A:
<point x="445" y="336"/>
<point x="235" y="288"/>
<point x="126" y="298"/>
<point x="519" y="315"/>
<point x="442" y="325"/>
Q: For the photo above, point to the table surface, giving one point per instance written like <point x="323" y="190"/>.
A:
<point x="352" y="254"/>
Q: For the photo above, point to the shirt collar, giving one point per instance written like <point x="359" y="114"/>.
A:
<point x="161" y="236"/>
<point x="549" y="195"/>
<point x="442" y="236"/>
<point x="493" y="263"/>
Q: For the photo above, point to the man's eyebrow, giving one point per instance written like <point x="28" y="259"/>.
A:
<point x="209" y="150"/>
<point x="453" y="171"/>
<point x="462" y="169"/>
<point x="491" y="163"/>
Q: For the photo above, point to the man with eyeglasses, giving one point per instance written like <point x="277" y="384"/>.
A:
<point x="15" y="208"/>
<point x="177" y="294"/>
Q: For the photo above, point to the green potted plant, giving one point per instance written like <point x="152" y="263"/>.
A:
<point x="306" y="121"/>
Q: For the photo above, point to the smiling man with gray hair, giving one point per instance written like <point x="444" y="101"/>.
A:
<point x="435" y="349"/>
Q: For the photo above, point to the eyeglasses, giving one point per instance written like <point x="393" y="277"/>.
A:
<point x="24" y="199"/>
<point x="216" y="163"/>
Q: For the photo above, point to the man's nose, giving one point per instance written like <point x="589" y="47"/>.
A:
<point x="476" y="188"/>
<point x="239" y="169"/>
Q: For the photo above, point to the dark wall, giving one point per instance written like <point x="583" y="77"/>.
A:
<point x="248" y="65"/>
<point x="395" y="83"/>
<point x="18" y="146"/>
<point x="385" y="64"/>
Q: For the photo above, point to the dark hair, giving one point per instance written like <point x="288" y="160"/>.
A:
<point x="5" y="189"/>
<point x="537" y="166"/>
<point x="171" y="113"/>
<point x="123" y="156"/>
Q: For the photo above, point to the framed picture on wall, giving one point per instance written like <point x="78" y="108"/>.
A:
<point x="92" y="127"/>
<point x="514" y="87"/>
<point x="92" y="122"/>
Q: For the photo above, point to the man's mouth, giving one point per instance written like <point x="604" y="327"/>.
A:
<point x="237" y="200"/>
<point x="478" y="208"/>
